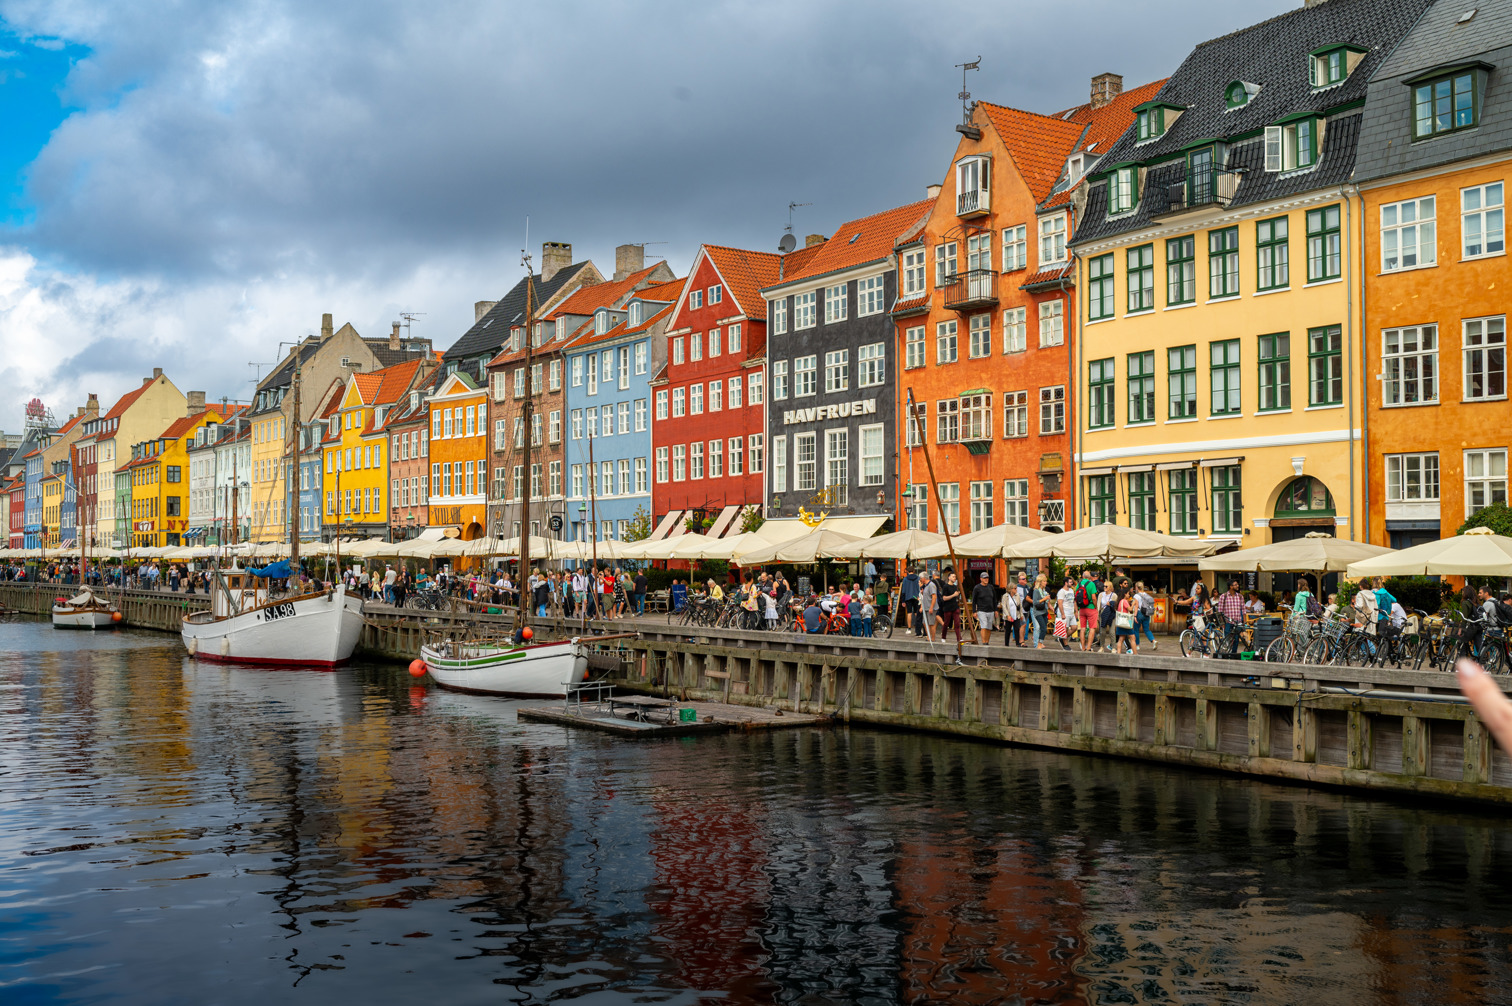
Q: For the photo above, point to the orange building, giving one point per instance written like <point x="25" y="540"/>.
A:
<point x="1433" y="167"/>
<point x="985" y="314"/>
<point x="459" y="456"/>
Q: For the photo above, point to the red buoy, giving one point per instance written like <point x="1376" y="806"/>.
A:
<point x="115" y="616"/>
<point x="527" y="633"/>
<point x="417" y="668"/>
<point x="60" y="600"/>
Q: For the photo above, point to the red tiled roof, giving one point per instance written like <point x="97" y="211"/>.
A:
<point x="126" y="400"/>
<point x="393" y="383"/>
<point x="860" y="241"/>
<point x="1108" y="123"/>
<point x="589" y="299"/>
<point x="72" y="422"/>
<point x="745" y="273"/>
<point x="668" y="291"/>
<point x="367" y="385"/>
<point x="621" y="329"/>
<point x="919" y="303"/>
<point x="1047" y="275"/>
<point x="1038" y="144"/>
<point x="180" y="426"/>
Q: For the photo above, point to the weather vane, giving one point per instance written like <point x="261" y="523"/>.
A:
<point x="965" y="95"/>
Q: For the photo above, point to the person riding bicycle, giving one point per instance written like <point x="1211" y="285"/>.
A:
<point x="1230" y="605"/>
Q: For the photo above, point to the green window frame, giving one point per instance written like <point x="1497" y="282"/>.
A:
<point x="1237" y="95"/>
<point x="1181" y="270"/>
<point x="1142" y="500"/>
<point x="1141" y="278"/>
<point x="1102" y="499"/>
<point x="1325" y="365"/>
<point x="1150" y="123"/>
<point x="1323" y="244"/>
<point x="1141" y="378"/>
<point x="1228" y="499"/>
<point x="1101" y="386"/>
<point x="1201" y="178"/>
<point x="1275" y="372"/>
<point x="1224" y="357"/>
<point x="1445" y="104"/>
<point x="1328" y="68"/>
<point x="1123" y="190"/>
<point x="1181" y="500"/>
<point x="1100" y="287"/>
<point x="1181" y="382"/>
<point x="1223" y="262"/>
<point x="1272" y="254"/>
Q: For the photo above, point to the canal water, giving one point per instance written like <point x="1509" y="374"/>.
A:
<point x="173" y="832"/>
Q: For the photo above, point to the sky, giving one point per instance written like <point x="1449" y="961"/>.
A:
<point x="187" y="184"/>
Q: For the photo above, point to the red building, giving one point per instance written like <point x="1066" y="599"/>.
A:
<point x="15" y="493"/>
<point x="708" y="414"/>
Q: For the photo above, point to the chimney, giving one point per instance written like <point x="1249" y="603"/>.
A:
<point x="157" y="372"/>
<point x="628" y="259"/>
<point x="196" y="402"/>
<point x="555" y="256"/>
<point x="814" y="239"/>
<point x="325" y="327"/>
<point x="1106" y="87"/>
<point x="481" y="308"/>
<point x="394" y="337"/>
<point x="93" y="405"/>
<point x="932" y="191"/>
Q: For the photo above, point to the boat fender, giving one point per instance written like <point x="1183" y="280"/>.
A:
<point x="192" y="645"/>
<point x="225" y="646"/>
<point x="115" y="616"/>
<point x="417" y="668"/>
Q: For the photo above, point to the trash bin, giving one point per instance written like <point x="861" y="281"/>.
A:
<point x="686" y="715"/>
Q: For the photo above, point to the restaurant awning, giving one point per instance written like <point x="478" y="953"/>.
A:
<point x="667" y="524"/>
<point x="726" y="516"/>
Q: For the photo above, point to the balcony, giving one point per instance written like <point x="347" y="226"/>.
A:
<point x="1201" y="190"/>
<point x="973" y="202"/>
<point x="971" y="290"/>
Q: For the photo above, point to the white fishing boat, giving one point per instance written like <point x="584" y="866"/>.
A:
<point x="527" y="670"/>
<point x="85" y="610"/>
<point x="250" y="622"/>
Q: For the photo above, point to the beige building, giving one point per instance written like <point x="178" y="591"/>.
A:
<point x="140" y="414"/>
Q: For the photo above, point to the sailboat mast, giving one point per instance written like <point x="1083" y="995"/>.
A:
<point x="525" y="416"/>
<point x="291" y="472"/>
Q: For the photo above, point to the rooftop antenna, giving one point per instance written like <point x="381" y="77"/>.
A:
<point x="408" y="317"/>
<point x="788" y="241"/>
<point x="647" y="244"/>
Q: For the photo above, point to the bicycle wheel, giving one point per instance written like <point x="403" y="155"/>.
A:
<point x="1491" y="657"/>
<point x="1280" y="650"/>
<point x="882" y="626"/>
<point x="1317" y="651"/>
<point x="1194" y="643"/>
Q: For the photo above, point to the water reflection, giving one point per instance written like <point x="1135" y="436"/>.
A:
<point x="173" y="832"/>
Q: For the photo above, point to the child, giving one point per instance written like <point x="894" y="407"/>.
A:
<point x="868" y="612"/>
<point x="853" y="611"/>
<point x="771" y="610"/>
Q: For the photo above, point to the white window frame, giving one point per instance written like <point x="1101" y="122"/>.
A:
<point x="915" y="262"/>
<point x="981" y="506"/>
<point x="979" y="336"/>
<point x="836" y="303"/>
<point x="947" y="349"/>
<point x="1491" y="217"/>
<point x="1015" y="248"/>
<point x="913" y="347"/>
<point x="871" y="365"/>
<point x="1402" y="469"/>
<point x="805" y="473"/>
<point x="1484" y="461"/>
<point x="1052" y="320"/>
<point x="756" y="388"/>
<point x="1016" y="502"/>
<point x="1409" y="223"/>
<point x="1015" y="331"/>
<point x="1490" y="334"/>
<point x="779" y="464"/>
<point x="1052" y="408"/>
<point x="804" y="310"/>
<point x="836" y="371"/>
<point x="1404" y="370"/>
<point x="806" y="376"/>
<point x="869" y="294"/>
<point x="1052" y="239"/>
<point x="779" y="380"/>
<point x="779" y="316"/>
<point x="661" y="404"/>
<point x="872" y="441"/>
<point x="945" y="263"/>
<point x="1015" y="414"/>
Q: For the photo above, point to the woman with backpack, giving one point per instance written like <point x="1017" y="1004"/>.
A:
<point x="1039" y="609"/>
<point x="1124" y="620"/>
<point x="1107" y="609"/>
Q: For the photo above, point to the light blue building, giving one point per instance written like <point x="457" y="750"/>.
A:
<point x="34" y="473"/>
<point x="610" y="362"/>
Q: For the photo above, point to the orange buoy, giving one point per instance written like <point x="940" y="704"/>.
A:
<point x="417" y="668"/>
<point x="115" y="616"/>
<point x="527" y="633"/>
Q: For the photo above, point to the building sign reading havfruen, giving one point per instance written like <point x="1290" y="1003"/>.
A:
<point x="842" y="411"/>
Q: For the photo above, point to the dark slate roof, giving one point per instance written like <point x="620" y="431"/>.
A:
<point x="1386" y="144"/>
<point x="488" y="333"/>
<point x="1273" y="54"/>
<point x="284" y="375"/>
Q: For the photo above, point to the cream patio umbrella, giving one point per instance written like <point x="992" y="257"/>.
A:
<point x="1478" y="552"/>
<point x="735" y="547"/>
<point x="683" y="546"/>
<point x="1110" y="541"/>
<point x="1317" y="552"/>
<point x="989" y="541"/>
<point x="906" y="544"/>
<point x="809" y="548"/>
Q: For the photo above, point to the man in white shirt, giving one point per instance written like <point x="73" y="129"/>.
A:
<point x="1065" y="603"/>
<point x="389" y="576"/>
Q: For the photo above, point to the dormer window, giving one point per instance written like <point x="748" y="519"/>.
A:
<point x="1447" y="99"/>
<point x="1152" y="121"/>
<point x="1076" y="166"/>
<point x="1123" y="190"/>
<point x="1293" y="145"/>
<point x="600" y="322"/>
<point x="1239" y="93"/>
<point x="973" y="180"/>
<point x="1331" y="65"/>
<point x="635" y="312"/>
<point x="561" y="328"/>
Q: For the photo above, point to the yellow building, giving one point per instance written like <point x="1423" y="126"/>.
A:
<point x="160" y="481"/>
<point x="1217" y="368"/>
<point x="355" y="469"/>
<point x="52" y="508"/>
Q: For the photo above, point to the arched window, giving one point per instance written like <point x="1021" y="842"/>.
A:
<point x="1305" y="497"/>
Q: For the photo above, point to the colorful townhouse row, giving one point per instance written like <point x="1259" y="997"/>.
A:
<point x="1212" y="305"/>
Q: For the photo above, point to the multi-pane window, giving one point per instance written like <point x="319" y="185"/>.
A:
<point x="696" y="460"/>
<point x="1228" y="503"/>
<point x="947" y="421"/>
<point x="1141" y="387"/>
<point x="677" y="349"/>
<point x="1407" y="234"/>
<point x="735" y="392"/>
<point x="805" y="462"/>
<point x="950" y="506"/>
<point x="1482" y="221"/>
<point x="1142" y="500"/>
<point x="1409" y="365"/>
<point x="1274" y="355"/>
<point x="976" y="416"/>
<point x="661" y="410"/>
<point x="1052" y="239"/>
<point x="837" y="464"/>
<point x="1272" y="258"/>
<point x="757" y="389"/>
<point x="623" y="411"/>
<point x="1323" y="244"/>
<point x="1016" y="414"/>
<point x="679" y="403"/>
<point x="836" y="370"/>
<point x="1052" y="321"/>
<point x="1052" y="410"/>
<point x="1181" y="380"/>
<point x="805" y="376"/>
<point x="1016" y="502"/>
<point x="679" y="462"/>
<point x="980" y="328"/>
<point x="695" y="347"/>
<point x="1102" y="499"/>
<point x="640" y="415"/>
<point x="871" y="365"/>
<point x="714" y="340"/>
<point x="716" y="458"/>
<point x="835" y="303"/>
<point x="1485" y="479"/>
<point x="1412" y="478"/>
<point x="737" y="456"/>
<point x="1100" y="391"/>
<point x="1182" y="500"/>
<point x="1224" y="357"/>
<point x="640" y="362"/>
<point x="734" y="338"/>
<point x="695" y="403"/>
<point x="915" y="425"/>
<point x="1015" y="339"/>
<point x="871" y="455"/>
<point x="1015" y="250"/>
<point x="1325" y="366"/>
<point x="913" y="345"/>
<point x="804" y="315"/>
<point x="1141" y="278"/>
<point x="981" y="506"/>
<point x="1123" y="190"/>
<point x="1223" y="262"/>
<point x="945" y="341"/>
<point x="918" y="507"/>
<point x="913" y="272"/>
<point x="869" y="297"/>
<point x="1181" y="270"/>
<point x="779" y="464"/>
<point x="1444" y="105"/>
<point x="779" y="326"/>
<point x="1100" y="283"/>
<point x="1485" y="358"/>
<point x="945" y="263"/>
<point x="755" y="445"/>
<point x="779" y="380"/>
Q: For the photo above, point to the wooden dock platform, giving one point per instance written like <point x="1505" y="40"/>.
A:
<point x="641" y="716"/>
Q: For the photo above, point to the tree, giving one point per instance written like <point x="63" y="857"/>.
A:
<point x="639" y="527"/>
<point x="751" y="519"/>
<point x="1497" y="517"/>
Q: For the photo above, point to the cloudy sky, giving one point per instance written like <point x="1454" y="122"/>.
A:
<point x="186" y="184"/>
